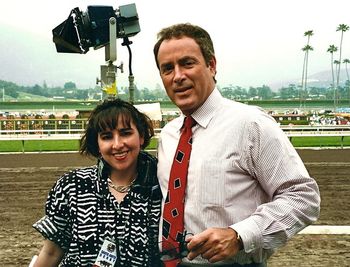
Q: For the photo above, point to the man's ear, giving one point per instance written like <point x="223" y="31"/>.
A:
<point x="212" y="65"/>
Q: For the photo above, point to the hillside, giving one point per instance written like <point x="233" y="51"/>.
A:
<point x="319" y="79"/>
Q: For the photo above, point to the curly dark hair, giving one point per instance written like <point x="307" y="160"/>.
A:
<point x="105" y="116"/>
<point x="198" y="34"/>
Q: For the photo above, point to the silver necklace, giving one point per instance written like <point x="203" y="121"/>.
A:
<point x="121" y="188"/>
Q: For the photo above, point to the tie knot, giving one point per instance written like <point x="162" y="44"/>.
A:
<point x="189" y="122"/>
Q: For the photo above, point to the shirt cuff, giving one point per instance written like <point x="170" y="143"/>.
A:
<point x="250" y="234"/>
<point x="48" y="230"/>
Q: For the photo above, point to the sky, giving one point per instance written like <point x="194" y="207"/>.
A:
<point x="256" y="42"/>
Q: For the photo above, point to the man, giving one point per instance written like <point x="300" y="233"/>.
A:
<point x="248" y="192"/>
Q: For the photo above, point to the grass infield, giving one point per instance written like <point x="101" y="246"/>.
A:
<point x="73" y="145"/>
<point x="47" y="145"/>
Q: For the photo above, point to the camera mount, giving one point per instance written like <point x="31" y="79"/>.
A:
<point x="98" y="27"/>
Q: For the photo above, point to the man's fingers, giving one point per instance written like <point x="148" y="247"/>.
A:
<point x="202" y="244"/>
<point x="209" y="254"/>
<point x="214" y="244"/>
<point x="196" y="248"/>
<point x="195" y="241"/>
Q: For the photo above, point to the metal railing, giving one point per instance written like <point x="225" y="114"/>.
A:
<point x="39" y="126"/>
<point x="57" y="134"/>
<point x="72" y="129"/>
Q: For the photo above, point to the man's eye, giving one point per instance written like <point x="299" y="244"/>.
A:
<point x="167" y="69"/>
<point x="188" y="63"/>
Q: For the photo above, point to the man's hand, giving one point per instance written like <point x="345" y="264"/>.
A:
<point x="214" y="244"/>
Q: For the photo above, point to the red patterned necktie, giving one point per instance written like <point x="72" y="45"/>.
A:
<point x="173" y="213"/>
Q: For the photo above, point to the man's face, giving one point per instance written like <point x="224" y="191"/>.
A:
<point x="187" y="79"/>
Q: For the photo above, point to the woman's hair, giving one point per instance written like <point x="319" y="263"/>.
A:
<point x="198" y="34"/>
<point x="105" y="117"/>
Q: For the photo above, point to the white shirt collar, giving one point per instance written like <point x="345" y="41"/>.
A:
<point x="205" y="113"/>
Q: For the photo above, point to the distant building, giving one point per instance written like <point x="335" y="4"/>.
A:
<point x="285" y="119"/>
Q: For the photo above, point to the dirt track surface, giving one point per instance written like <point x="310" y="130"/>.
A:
<point x="25" y="180"/>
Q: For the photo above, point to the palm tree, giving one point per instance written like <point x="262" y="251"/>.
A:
<point x="346" y="61"/>
<point x="306" y="49"/>
<point x="331" y="49"/>
<point x="337" y="65"/>
<point x="343" y="28"/>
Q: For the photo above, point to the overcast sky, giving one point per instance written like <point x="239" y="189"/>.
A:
<point x="256" y="41"/>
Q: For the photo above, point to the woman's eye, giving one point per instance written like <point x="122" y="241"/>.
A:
<point x="105" y="136"/>
<point x="125" y="133"/>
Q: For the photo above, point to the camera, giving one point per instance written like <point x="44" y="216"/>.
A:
<point x="82" y="30"/>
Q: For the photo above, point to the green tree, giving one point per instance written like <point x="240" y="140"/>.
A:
<point x="9" y="88"/>
<point x="69" y="85"/>
<point x="227" y="92"/>
<point x="252" y="92"/>
<point x="265" y="92"/>
<point x="332" y="49"/>
<point x="337" y="94"/>
<point x="289" y="92"/>
<point x="306" y="50"/>
<point x="146" y="94"/>
<point x="160" y="94"/>
<point x="336" y="64"/>
<point x="82" y="94"/>
<point x="11" y="92"/>
<point x="137" y="93"/>
<point x="346" y="61"/>
<point x="343" y="28"/>
<point x="35" y="90"/>
<point x="240" y="93"/>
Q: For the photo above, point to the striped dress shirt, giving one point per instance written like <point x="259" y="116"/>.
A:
<point x="244" y="173"/>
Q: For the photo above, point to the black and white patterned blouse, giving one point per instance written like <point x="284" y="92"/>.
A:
<point x="81" y="213"/>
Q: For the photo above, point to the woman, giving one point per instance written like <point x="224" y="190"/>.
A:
<point x="108" y="214"/>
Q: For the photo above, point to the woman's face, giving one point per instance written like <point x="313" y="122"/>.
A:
<point x="120" y="147"/>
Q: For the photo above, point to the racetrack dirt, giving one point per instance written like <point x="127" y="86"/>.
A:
<point x="25" y="180"/>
